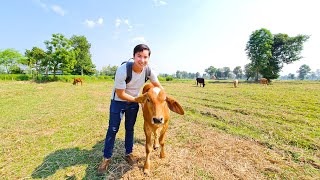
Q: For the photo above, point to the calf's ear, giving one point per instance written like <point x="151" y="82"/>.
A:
<point x="147" y="87"/>
<point x="141" y="99"/>
<point x="174" y="105"/>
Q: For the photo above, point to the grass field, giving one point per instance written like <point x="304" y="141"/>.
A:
<point x="56" y="131"/>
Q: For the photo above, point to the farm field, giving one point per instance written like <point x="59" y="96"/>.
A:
<point x="57" y="130"/>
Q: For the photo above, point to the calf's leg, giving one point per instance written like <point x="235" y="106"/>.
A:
<point x="146" y="168"/>
<point x="156" y="138"/>
<point x="161" y="139"/>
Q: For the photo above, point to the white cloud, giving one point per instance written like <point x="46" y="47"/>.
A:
<point x="57" y="9"/>
<point x="126" y="21"/>
<point x="41" y="4"/>
<point x="159" y="3"/>
<point x="140" y="39"/>
<point x="100" y="21"/>
<point x="92" y="23"/>
<point x="89" y="23"/>
<point x="119" y="22"/>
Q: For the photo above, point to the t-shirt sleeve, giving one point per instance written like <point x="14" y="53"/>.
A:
<point x="153" y="76"/>
<point x="120" y="77"/>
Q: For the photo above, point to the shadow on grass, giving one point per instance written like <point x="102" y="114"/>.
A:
<point x="71" y="157"/>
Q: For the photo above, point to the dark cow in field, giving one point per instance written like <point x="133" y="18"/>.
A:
<point x="200" y="81"/>
<point x="77" y="80"/>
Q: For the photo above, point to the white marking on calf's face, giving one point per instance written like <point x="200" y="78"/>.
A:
<point x="157" y="106"/>
<point x="156" y="90"/>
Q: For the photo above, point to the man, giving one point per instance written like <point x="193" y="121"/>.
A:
<point x="123" y="102"/>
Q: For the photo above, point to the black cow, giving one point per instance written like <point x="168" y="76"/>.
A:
<point x="200" y="81"/>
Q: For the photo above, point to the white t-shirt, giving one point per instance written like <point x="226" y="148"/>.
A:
<point x="137" y="81"/>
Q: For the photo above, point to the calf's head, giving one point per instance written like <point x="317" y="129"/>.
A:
<point x="156" y="105"/>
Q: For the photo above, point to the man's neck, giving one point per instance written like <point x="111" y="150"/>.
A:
<point x="136" y="69"/>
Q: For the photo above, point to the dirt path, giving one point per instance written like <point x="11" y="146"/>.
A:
<point x="195" y="151"/>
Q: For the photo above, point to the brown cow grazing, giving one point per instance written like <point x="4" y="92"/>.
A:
<point x="264" y="81"/>
<point x="155" y="106"/>
<point x="77" y="80"/>
<point x="235" y="83"/>
<point x="200" y="81"/>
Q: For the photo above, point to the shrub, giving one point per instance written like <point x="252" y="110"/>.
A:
<point x="169" y="78"/>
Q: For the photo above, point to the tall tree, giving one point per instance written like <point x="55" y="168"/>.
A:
<point x="60" y="54"/>
<point x="291" y="76"/>
<point x="178" y="74"/>
<point x="109" y="70"/>
<point x="184" y="74"/>
<point x="219" y="73"/>
<point x="211" y="71"/>
<point x="82" y="47"/>
<point x="303" y="71"/>
<point x="238" y="72"/>
<point x="259" y="49"/>
<point x="249" y="71"/>
<point x="36" y="58"/>
<point x="318" y="73"/>
<point x="9" y="57"/>
<point x="312" y="76"/>
<point x="268" y="53"/>
<point x="285" y="50"/>
<point x="226" y="72"/>
<point x="197" y="74"/>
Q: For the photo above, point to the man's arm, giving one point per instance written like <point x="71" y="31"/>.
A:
<point x="157" y="84"/>
<point x="123" y="95"/>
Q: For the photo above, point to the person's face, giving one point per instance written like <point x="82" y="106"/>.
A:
<point x="141" y="58"/>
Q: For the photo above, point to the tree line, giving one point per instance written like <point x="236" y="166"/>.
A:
<point x="62" y="55"/>
<point x="304" y="72"/>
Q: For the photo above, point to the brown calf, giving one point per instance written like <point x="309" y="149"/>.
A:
<point x="264" y="81"/>
<point x="77" y="80"/>
<point x="155" y="106"/>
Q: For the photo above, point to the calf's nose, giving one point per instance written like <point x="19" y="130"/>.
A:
<point x="157" y="120"/>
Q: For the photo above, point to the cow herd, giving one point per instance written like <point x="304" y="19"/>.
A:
<point x="199" y="81"/>
<point x="263" y="81"/>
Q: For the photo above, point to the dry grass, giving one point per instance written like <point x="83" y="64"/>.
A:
<point x="56" y="131"/>
<point x="208" y="154"/>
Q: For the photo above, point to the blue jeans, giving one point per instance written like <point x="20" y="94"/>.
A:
<point x="117" y="109"/>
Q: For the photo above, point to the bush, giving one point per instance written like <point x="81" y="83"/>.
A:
<point x="160" y="78"/>
<point x="23" y="77"/>
<point x="15" y="77"/>
<point x="169" y="78"/>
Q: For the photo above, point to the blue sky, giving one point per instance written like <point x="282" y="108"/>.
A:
<point x="188" y="35"/>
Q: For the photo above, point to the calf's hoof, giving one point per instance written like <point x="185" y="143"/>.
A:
<point x="156" y="147"/>
<point x="146" y="172"/>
